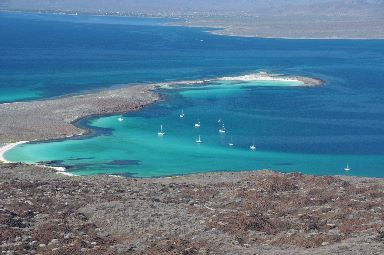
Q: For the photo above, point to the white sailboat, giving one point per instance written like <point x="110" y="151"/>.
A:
<point x="253" y="146"/>
<point x="198" y="140"/>
<point x="120" y="119"/>
<point x="222" y="129"/>
<point x="161" y="133"/>
<point x="181" y="114"/>
<point x="197" y="124"/>
<point x="347" y="168"/>
<point x="231" y="142"/>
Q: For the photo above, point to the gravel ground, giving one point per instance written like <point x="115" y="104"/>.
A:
<point x="261" y="212"/>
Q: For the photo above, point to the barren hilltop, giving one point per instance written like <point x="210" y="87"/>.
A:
<point x="261" y="212"/>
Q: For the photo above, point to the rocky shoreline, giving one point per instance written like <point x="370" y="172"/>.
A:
<point x="261" y="212"/>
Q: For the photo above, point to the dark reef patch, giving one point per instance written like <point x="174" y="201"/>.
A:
<point x="74" y="159"/>
<point x="124" y="162"/>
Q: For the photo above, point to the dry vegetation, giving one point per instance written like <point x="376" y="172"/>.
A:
<point x="260" y="212"/>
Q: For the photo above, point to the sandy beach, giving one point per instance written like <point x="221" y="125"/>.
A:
<point x="264" y="76"/>
<point x="258" y="77"/>
<point x="7" y="147"/>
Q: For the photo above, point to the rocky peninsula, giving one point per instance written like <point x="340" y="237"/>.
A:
<point x="56" y="118"/>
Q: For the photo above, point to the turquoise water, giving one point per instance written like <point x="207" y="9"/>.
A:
<point x="133" y="147"/>
<point x="313" y="130"/>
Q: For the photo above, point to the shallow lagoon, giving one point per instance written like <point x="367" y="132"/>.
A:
<point x="133" y="148"/>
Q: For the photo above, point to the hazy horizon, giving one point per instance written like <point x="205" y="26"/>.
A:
<point x="267" y="7"/>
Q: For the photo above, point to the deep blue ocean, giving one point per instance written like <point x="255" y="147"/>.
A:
<point x="314" y="130"/>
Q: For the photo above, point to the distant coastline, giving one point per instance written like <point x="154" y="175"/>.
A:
<point x="300" y="27"/>
<point x="303" y="27"/>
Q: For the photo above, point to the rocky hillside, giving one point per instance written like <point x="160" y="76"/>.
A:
<point x="259" y="212"/>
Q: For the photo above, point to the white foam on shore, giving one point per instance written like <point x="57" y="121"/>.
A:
<point x="67" y="174"/>
<point x="115" y="176"/>
<point x="9" y="146"/>
<point x="58" y="169"/>
<point x="260" y="76"/>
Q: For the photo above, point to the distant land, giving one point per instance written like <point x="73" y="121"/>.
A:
<point x="338" y="19"/>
